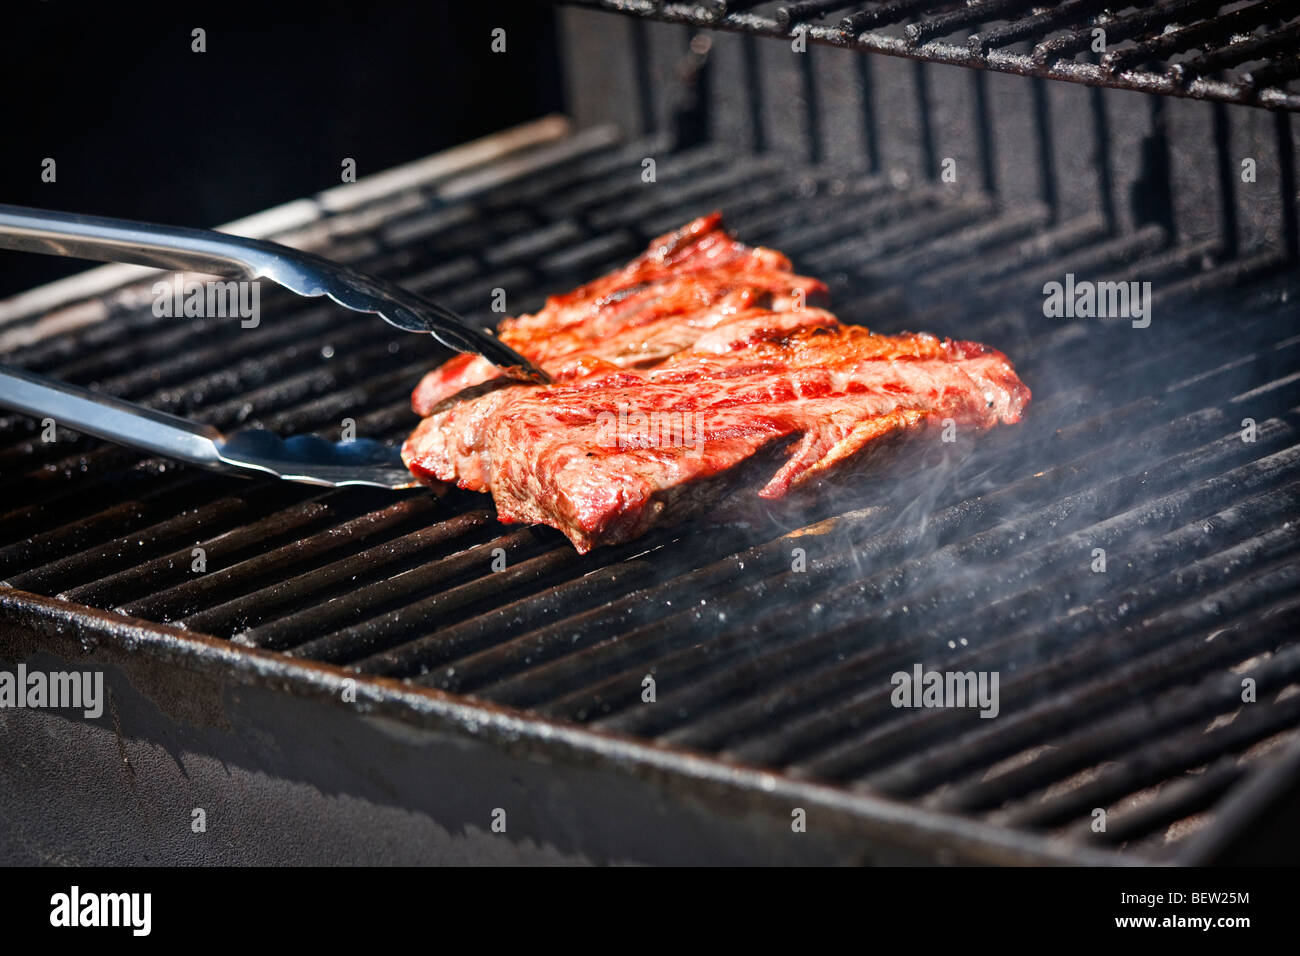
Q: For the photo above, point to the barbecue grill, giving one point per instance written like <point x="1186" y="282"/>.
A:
<point x="422" y="683"/>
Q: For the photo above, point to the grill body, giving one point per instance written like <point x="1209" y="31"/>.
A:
<point x="354" y="658"/>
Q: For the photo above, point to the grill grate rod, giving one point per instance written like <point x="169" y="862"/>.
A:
<point x="987" y="30"/>
<point x="780" y="699"/>
<point x="488" y="628"/>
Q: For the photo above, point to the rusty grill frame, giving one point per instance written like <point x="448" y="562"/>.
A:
<point x="542" y="661"/>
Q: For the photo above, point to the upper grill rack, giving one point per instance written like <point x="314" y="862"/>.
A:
<point x="1121" y="688"/>
<point x="1231" y="52"/>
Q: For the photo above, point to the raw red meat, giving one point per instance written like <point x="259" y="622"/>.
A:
<point x="679" y="378"/>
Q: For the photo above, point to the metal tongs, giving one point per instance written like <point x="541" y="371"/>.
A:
<point x="304" y="458"/>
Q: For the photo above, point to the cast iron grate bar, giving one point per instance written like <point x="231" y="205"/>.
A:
<point x="1132" y="446"/>
<point x="1142" y="44"/>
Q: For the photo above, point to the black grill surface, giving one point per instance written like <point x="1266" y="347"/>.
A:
<point x="771" y="643"/>
<point x="1232" y="52"/>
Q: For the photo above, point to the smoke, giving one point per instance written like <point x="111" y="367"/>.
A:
<point x="1000" y="551"/>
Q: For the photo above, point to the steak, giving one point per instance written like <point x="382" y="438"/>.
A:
<point x="655" y="306"/>
<point x="699" y="369"/>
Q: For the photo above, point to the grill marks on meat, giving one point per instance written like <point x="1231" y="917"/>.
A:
<point x="684" y="374"/>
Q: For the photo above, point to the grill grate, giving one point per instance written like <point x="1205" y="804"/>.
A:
<point x="1119" y="689"/>
<point x="1230" y="52"/>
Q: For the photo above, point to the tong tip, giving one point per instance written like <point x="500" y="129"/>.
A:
<point x="527" y="373"/>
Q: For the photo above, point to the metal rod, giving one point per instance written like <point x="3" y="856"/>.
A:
<point x="870" y="127"/>
<point x="812" y="107"/>
<point x="929" y="156"/>
<point x="1227" y="180"/>
<point x="1046" y="161"/>
<point x="984" y="129"/>
<point x="1101" y="158"/>
<point x="1287" y="180"/>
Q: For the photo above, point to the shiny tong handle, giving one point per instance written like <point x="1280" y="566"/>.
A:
<point x="215" y="253"/>
<point x="119" y="240"/>
<point x="110" y="418"/>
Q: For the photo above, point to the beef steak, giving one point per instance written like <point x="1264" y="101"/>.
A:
<point x="699" y="357"/>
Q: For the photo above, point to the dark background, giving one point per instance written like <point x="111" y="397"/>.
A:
<point x="143" y="128"/>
